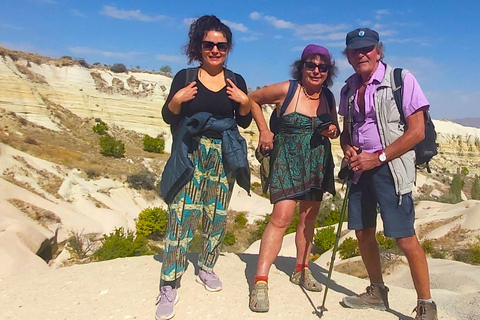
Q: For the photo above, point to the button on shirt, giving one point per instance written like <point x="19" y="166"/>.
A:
<point x="365" y="127"/>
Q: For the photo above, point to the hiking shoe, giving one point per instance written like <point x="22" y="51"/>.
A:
<point x="426" y="311"/>
<point x="374" y="297"/>
<point x="259" y="297"/>
<point x="305" y="279"/>
<point x="166" y="300"/>
<point x="210" y="280"/>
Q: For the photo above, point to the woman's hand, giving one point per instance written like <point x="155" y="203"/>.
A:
<point x="330" y="132"/>
<point x="185" y="94"/>
<point x="265" y="142"/>
<point x="235" y="94"/>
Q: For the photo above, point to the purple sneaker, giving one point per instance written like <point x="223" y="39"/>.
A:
<point x="166" y="300"/>
<point x="209" y="280"/>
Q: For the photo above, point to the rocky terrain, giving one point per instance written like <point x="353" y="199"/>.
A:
<point x="55" y="181"/>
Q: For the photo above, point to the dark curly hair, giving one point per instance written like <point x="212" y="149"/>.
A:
<point x="198" y="30"/>
<point x="297" y="68"/>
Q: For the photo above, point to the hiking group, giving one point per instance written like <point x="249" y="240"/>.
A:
<point x="206" y="105"/>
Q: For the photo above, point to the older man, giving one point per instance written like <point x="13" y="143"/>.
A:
<point x="384" y="171"/>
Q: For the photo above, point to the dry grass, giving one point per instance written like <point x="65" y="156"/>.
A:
<point x="424" y="229"/>
<point x="356" y="267"/>
<point x="42" y="216"/>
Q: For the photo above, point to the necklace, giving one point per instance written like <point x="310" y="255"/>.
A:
<point x="309" y="97"/>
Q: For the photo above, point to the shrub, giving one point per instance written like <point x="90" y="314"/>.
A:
<point x="457" y="186"/>
<point x="152" y="223"/>
<point x="100" y="128"/>
<point x="386" y="243"/>
<point x="333" y="217"/>
<point x="156" y="145"/>
<point x="348" y="248"/>
<point x="121" y="244"/>
<point x="240" y="220"/>
<point x="112" y="147"/>
<point x="143" y="180"/>
<point x="196" y="243"/>
<point x="428" y="246"/>
<point x="324" y="239"/>
<point x="476" y="188"/>
<point x="118" y="68"/>
<point x="79" y="245"/>
<point x="229" y="239"/>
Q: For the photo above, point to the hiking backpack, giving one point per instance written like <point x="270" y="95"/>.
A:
<point x="428" y="147"/>
<point x="274" y="121"/>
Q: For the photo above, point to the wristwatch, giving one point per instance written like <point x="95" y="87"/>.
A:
<point x="382" y="156"/>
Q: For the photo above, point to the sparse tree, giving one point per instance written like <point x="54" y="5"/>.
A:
<point x="166" y="70"/>
<point x="457" y="186"/>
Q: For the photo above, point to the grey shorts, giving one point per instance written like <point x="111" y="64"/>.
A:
<point x="376" y="186"/>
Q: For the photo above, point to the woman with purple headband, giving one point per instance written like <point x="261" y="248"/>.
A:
<point x="301" y="163"/>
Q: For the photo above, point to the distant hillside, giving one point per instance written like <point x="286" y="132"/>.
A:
<point x="468" y="122"/>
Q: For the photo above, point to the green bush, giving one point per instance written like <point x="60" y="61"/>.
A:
<point x="121" y="244"/>
<point x="100" y="128"/>
<point x="385" y="243"/>
<point x="196" y="243"/>
<point x="428" y="246"/>
<point x="118" y="68"/>
<point x="324" y="239"/>
<point x="333" y="217"/>
<point x="143" y="180"/>
<point x="240" y="220"/>
<point x="111" y="147"/>
<point x="151" y="144"/>
<point x="348" y="248"/>
<point x="152" y="223"/>
<point x="229" y="239"/>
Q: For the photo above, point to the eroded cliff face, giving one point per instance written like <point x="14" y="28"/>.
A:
<point x="133" y="100"/>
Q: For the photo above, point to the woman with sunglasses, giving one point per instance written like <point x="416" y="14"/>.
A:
<point x="198" y="179"/>
<point x="301" y="163"/>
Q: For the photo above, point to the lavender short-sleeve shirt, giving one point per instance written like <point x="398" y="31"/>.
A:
<point x="365" y="128"/>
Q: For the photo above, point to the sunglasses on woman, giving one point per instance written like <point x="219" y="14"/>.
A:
<point x="310" y="66"/>
<point x="221" y="46"/>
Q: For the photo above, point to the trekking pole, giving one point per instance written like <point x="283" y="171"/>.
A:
<point x="344" y="173"/>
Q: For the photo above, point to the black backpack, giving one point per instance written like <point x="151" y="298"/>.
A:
<point x="192" y="75"/>
<point x="274" y="122"/>
<point x="428" y="147"/>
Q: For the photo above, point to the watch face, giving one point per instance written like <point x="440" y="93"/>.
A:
<point x="382" y="157"/>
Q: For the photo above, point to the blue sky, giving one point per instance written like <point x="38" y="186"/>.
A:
<point x="439" y="41"/>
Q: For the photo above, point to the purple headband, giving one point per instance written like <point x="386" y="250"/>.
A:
<point x="315" y="49"/>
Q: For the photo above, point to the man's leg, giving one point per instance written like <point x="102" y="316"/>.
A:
<point x="368" y="246"/>
<point x="417" y="261"/>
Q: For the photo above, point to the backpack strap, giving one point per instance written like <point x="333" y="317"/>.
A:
<point x="329" y="96"/>
<point x="396" y="80"/>
<point x="192" y="75"/>
<point x="292" y="87"/>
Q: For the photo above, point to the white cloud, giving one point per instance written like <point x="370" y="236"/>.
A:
<point x="136" y="15"/>
<point x="78" y="13"/>
<point x="236" y="26"/>
<point x="10" y="26"/>
<point x="379" y="14"/>
<point x="109" y="54"/>
<point x="188" y="21"/>
<point x="248" y="39"/>
<point x="169" y="58"/>
<point x="255" y="15"/>
<point x="279" y="23"/>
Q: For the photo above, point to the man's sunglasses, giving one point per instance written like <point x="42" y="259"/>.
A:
<point x="363" y="50"/>
<point x="310" y="66"/>
<point x="221" y="46"/>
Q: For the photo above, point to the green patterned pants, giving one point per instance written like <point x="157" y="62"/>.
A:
<point x="206" y="196"/>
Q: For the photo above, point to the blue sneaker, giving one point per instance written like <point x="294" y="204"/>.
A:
<point x="166" y="301"/>
<point x="210" y="280"/>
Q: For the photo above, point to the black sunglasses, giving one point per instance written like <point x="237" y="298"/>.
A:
<point x="363" y="50"/>
<point x="221" y="46"/>
<point x="310" y="66"/>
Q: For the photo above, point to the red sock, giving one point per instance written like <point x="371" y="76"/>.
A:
<point x="299" y="267"/>
<point x="260" y="278"/>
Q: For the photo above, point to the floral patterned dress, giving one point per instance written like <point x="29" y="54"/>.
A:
<point x="301" y="163"/>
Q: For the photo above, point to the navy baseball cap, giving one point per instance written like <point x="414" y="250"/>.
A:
<point x="361" y="38"/>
